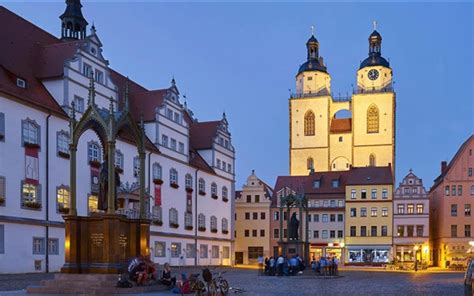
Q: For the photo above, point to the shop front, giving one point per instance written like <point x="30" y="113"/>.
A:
<point x="328" y="250"/>
<point x="368" y="255"/>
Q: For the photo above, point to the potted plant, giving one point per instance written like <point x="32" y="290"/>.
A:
<point x="214" y="196"/>
<point x="174" y="185"/>
<point x="188" y="227"/>
<point x="31" y="145"/>
<point x="189" y="190"/>
<point x="2" y="201"/>
<point x="225" y="199"/>
<point x="157" y="181"/>
<point x="225" y="231"/>
<point x="63" y="154"/>
<point x="201" y="192"/>
<point x="214" y="230"/>
<point x="202" y="228"/>
<point x="63" y="210"/>
<point x="31" y="204"/>
<point x="157" y="222"/>
<point x="174" y="225"/>
<point x="94" y="163"/>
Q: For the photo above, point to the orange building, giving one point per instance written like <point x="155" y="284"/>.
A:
<point x="451" y="202"/>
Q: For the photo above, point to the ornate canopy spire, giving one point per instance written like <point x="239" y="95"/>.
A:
<point x="73" y="23"/>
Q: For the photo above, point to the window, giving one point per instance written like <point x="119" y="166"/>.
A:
<point x="173" y="177"/>
<point x="325" y="203"/>
<point x="276" y="233"/>
<point x="62" y="199"/>
<point x="246" y="233"/>
<point x="215" y="252"/>
<point x="177" y="118"/>
<point x="332" y="234"/>
<point x="469" y="170"/>
<point x="30" y="193"/>
<point x="175" y="250"/>
<point x="203" y="251"/>
<point x="2" y="239"/>
<point x="363" y="231"/>
<point x="87" y="70"/>
<point x="213" y="223"/>
<point x="160" y="249"/>
<point x="467" y="210"/>
<point x="169" y="114"/>
<point x="410" y="208"/>
<point x="173" y="216"/>
<point x="225" y="224"/>
<point x="21" y="83"/>
<point x="401" y="209"/>
<point x="353" y="212"/>
<point x="257" y="198"/>
<point x="190" y="251"/>
<point x="262" y="232"/>
<point x="213" y="189"/>
<point x="249" y="198"/>
<point x="400" y="230"/>
<point x="419" y="208"/>
<point x="30" y="132"/>
<point x="384" y="230"/>
<point x="136" y="167"/>
<point x="340" y="139"/>
<point x="309" y="124"/>
<point x="332" y="217"/>
<point x="79" y="104"/>
<point x="340" y="203"/>
<point x="202" y="185"/>
<point x="373" y="231"/>
<point x="229" y="168"/>
<point x="372" y="119"/>
<point x="173" y="144"/>
<point x="373" y="212"/>
<point x="363" y="194"/>
<point x="335" y="183"/>
<point x="353" y="231"/>
<point x="353" y="194"/>
<point x="225" y="252"/>
<point x="164" y="140"/>
<point x="419" y="230"/>
<point x="255" y="252"/>
<point x="446" y="190"/>
<point x="2" y="126"/>
<point x="188" y="180"/>
<point x="467" y="230"/>
<point x="459" y="190"/>
<point x="92" y="203"/>
<point x="225" y="192"/>
<point x="2" y="190"/>
<point x="454" y="231"/>
<point x="99" y="76"/>
<point x="384" y="193"/>
<point x="157" y="213"/>
<point x="410" y="229"/>
<point x="53" y="246"/>
<point x="453" y="190"/>
<point x="340" y="217"/>
<point x="157" y="172"/>
<point x="316" y="183"/>
<point x="254" y="232"/>
<point x="316" y="234"/>
<point x="373" y="194"/>
<point x="188" y="219"/>
<point x="202" y="221"/>
<point x="38" y="246"/>
<point x="325" y="218"/>
<point x="262" y="215"/>
<point x="255" y="216"/>
<point x="94" y="152"/>
<point x="119" y="159"/>
<point x="247" y="216"/>
<point x="454" y="210"/>
<point x="62" y="142"/>
<point x="310" y="163"/>
<point x="472" y="189"/>
<point x="316" y="218"/>
<point x="324" y="234"/>
<point x="340" y="234"/>
<point x="372" y="160"/>
<point x="363" y="212"/>
<point x="384" y="212"/>
<point x="181" y="147"/>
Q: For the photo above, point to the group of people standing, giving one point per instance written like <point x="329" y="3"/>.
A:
<point x="325" y="266"/>
<point x="281" y="266"/>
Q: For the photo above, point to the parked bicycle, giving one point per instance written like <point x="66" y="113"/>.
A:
<point x="220" y="284"/>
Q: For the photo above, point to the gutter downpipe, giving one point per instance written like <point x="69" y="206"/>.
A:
<point x="47" y="194"/>
<point x="195" y="218"/>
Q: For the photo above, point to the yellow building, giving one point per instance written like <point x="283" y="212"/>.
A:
<point x="330" y="133"/>
<point x="252" y="221"/>
<point x="369" y="215"/>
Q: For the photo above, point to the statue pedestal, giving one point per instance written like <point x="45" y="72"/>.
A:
<point x="103" y="243"/>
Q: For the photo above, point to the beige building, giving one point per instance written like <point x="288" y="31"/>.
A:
<point x="252" y="221"/>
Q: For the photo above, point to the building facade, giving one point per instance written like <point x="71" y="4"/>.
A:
<point x="329" y="133"/>
<point x="189" y="164"/>
<point x="369" y="216"/>
<point x="252" y="221"/>
<point x="411" y="221"/>
<point x="451" y="201"/>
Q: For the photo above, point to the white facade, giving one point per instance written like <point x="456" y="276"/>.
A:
<point x="24" y="229"/>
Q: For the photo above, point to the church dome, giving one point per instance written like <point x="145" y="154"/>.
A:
<point x="375" y="52"/>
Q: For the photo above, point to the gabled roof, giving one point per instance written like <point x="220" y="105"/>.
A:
<point x="370" y="176"/>
<point x="202" y="134"/>
<point x="196" y="160"/>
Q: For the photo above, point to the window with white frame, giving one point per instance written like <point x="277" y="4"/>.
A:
<point x="225" y="252"/>
<point x="229" y="168"/>
<point x="177" y="117"/>
<point x="173" y="144"/>
<point x="188" y="181"/>
<point x="169" y="114"/>
<point x="225" y="192"/>
<point x="62" y="198"/>
<point x="190" y="251"/>
<point x="175" y="250"/>
<point x="38" y="246"/>
<point x="119" y="160"/>
<point x="173" y="216"/>
<point x="99" y="76"/>
<point x="181" y="147"/>
<point x="2" y="126"/>
<point x="188" y="219"/>
<point x="225" y="224"/>
<point x="215" y="252"/>
<point x="160" y="249"/>
<point x="224" y="165"/>
<point x="218" y="163"/>
<point x="202" y="185"/>
<point x="20" y="82"/>
<point x="79" y="105"/>
<point x="214" y="189"/>
<point x="87" y="70"/>
<point x="353" y="194"/>
<point x="157" y="213"/>
<point x="53" y="246"/>
<point x="203" y="251"/>
<point x="201" y="221"/>
<point x="63" y="142"/>
<point x="173" y="176"/>
<point x="94" y="151"/>
<point x="384" y="193"/>
<point x="30" y="194"/>
<point x="157" y="171"/>
<point x="136" y="166"/>
<point x="30" y="132"/>
<point x="213" y="223"/>
<point x="164" y="140"/>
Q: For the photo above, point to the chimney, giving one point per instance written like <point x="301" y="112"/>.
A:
<point x="444" y="164"/>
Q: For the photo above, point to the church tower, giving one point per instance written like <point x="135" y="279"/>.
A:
<point x="73" y="23"/>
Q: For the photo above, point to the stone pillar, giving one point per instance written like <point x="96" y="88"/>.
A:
<point x="111" y="176"/>
<point x="72" y="180"/>
<point x="142" y="185"/>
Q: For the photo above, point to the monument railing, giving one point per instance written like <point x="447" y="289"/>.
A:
<point x="135" y="214"/>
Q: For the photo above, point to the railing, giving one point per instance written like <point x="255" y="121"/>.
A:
<point x="135" y="214"/>
<point x="388" y="88"/>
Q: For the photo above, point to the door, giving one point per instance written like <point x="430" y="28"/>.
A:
<point x="239" y="257"/>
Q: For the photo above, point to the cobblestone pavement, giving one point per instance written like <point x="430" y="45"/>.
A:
<point x="350" y="283"/>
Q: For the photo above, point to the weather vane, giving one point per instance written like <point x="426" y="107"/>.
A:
<point x="312" y="30"/>
<point x="375" y="25"/>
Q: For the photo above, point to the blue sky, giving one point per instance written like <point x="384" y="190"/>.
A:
<point x="243" y="57"/>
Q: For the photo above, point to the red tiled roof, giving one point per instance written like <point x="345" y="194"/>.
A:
<point x="202" y="134"/>
<point x="325" y="185"/>
<point x="197" y="161"/>
<point x="341" y="125"/>
<point x="295" y="183"/>
<point x="370" y="175"/>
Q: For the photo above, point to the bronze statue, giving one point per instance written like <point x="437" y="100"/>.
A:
<point x="104" y="186"/>
<point x="294" y="226"/>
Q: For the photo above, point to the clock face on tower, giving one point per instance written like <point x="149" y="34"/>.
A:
<point x="373" y="74"/>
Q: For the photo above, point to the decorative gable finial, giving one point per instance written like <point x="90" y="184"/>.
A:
<point x="93" y="31"/>
<point x="173" y="82"/>
<point x="111" y="106"/>
<point x="224" y="117"/>
<point x="91" y="100"/>
<point x="374" y="23"/>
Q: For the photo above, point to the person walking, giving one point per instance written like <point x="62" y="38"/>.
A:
<point x="272" y="265"/>
<point x="280" y="262"/>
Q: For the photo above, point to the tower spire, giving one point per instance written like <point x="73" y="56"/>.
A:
<point x="73" y="23"/>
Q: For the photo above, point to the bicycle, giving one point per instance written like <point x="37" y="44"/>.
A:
<point x="236" y="290"/>
<point x="219" y="284"/>
<point x="196" y="285"/>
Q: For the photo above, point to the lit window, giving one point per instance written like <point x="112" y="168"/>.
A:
<point x="309" y="124"/>
<point x="419" y="208"/>
<point x="410" y="209"/>
<point x="31" y="195"/>
<point x="373" y="212"/>
<point x="93" y="203"/>
<point x="62" y="199"/>
<point x="175" y="250"/>
<point x="384" y="212"/>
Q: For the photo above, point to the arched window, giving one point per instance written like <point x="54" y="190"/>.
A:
<point x="136" y="166"/>
<point x="119" y="159"/>
<point x="225" y="192"/>
<point x="202" y="185"/>
<point x="63" y="142"/>
<point x="225" y="224"/>
<point x="214" y="189"/>
<point x="309" y="123"/>
<point x="373" y="119"/>
<point x="372" y="160"/>
<point x="62" y="199"/>
<point x="189" y="181"/>
<point x="30" y="132"/>
<point x="173" y="176"/>
<point x="173" y="216"/>
<point x="213" y="223"/>
<point x="93" y="151"/>
<point x="157" y="213"/>
<point x="157" y="172"/>
<point x="310" y="163"/>
<point x="202" y="221"/>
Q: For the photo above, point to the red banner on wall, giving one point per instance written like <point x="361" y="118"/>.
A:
<point x="31" y="165"/>
<point x="189" y="202"/>
<point x="157" y="195"/>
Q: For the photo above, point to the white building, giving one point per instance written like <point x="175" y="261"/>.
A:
<point x="189" y="164"/>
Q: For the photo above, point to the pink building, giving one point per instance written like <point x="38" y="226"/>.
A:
<point x="411" y="221"/>
<point x="451" y="201"/>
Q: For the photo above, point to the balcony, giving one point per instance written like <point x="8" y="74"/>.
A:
<point x="386" y="89"/>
